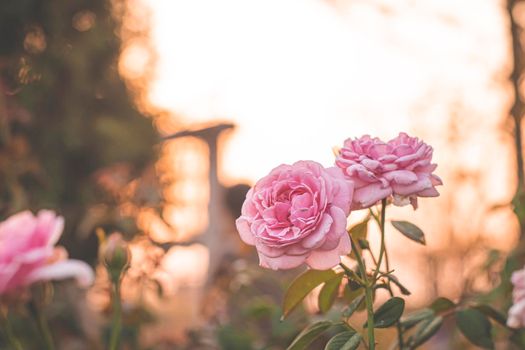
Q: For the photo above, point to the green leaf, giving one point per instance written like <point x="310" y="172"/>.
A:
<point x="302" y="285"/>
<point x="388" y="313"/>
<point x="475" y="327"/>
<point x="410" y="230"/>
<point x="329" y="292"/>
<point x="441" y="305"/>
<point x="363" y="244"/>
<point x="489" y="311"/>
<point x="401" y="287"/>
<point x="353" y="343"/>
<point x="414" y="318"/>
<point x="354" y="305"/>
<point x="358" y="232"/>
<point x="309" y="334"/>
<point x="425" y="331"/>
<point x="344" y="341"/>
<point x="350" y="294"/>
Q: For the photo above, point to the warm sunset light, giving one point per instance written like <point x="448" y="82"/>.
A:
<point x="262" y="174"/>
<point x="298" y="77"/>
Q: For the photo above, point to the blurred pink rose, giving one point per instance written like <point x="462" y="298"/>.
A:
<point x="516" y="318"/>
<point x="297" y="214"/>
<point x="28" y="255"/>
<point x="401" y="168"/>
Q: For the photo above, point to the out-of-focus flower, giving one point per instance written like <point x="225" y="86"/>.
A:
<point x="28" y="253"/>
<point x="516" y="317"/>
<point x="401" y="168"/>
<point x="114" y="254"/>
<point x="297" y="214"/>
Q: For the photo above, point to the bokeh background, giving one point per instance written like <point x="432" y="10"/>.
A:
<point x="153" y="117"/>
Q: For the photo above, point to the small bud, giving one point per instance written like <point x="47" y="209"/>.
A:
<point x="363" y="244"/>
<point x="115" y="255"/>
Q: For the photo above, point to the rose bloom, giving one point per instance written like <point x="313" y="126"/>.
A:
<point x="297" y="214"/>
<point x="516" y="318"/>
<point x="28" y="255"/>
<point x="400" y="168"/>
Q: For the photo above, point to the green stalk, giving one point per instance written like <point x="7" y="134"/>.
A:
<point x="368" y="296"/>
<point x="383" y="252"/>
<point x="44" y="329"/>
<point x="36" y="307"/>
<point x="116" y="328"/>
<point x="398" y="323"/>
<point x="370" y="313"/>
<point x="382" y="228"/>
<point x="10" y="335"/>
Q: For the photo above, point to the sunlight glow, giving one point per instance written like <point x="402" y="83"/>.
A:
<point x="300" y="76"/>
<point x="297" y="77"/>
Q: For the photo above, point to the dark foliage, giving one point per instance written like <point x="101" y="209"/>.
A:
<point x="66" y="116"/>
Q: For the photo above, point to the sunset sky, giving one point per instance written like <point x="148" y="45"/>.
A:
<point x="298" y="77"/>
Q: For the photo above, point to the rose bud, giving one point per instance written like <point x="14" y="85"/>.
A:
<point x="114" y="254"/>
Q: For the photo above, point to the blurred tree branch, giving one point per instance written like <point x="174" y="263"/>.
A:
<point x="517" y="114"/>
<point x="67" y="117"/>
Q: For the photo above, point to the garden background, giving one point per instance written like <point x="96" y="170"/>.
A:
<point x="152" y="118"/>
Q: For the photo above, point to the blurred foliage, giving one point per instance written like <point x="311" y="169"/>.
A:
<point x="69" y="129"/>
<point x="242" y="306"/>
<point x="244" y="312"/>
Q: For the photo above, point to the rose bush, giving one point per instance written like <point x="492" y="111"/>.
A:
<point x="28" y="253"/>
<point x="297" y="214"/>
<point x="401" y="168"/>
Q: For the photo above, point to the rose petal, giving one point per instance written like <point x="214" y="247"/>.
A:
<point x="343" y="190"/>
<point x="345" y="246"/>
<point x="7" y="273"/>
<point x="77" y="269"/>
<point x="407" y="190"/>
<point x="49" y="226"/>
<point x="319" y="234"/>
<point x="243" y="226"/>
<point x="337" y="230"/>
<point x="324" y="260"/>
<point x="401" y="177"/>
<point x="283" y="262"/>
<point x="429" y="192"/>
<point x="369" y="195"/>
<point x="269" y="251"/>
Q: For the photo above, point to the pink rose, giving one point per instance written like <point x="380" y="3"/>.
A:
<point x="297" y="214"/>
<point x="401" y="168"/>
<point x="28" y="255"/>
<point x="516" y="318"/>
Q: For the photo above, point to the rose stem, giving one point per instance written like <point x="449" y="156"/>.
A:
<point x="382" y="228"/>
<point x="43" y="326"/>
<point x="117" y="317"/>
<point x="383" y="251"/>
<point x="368" y="296"/>
<point x="8" y="330"/>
